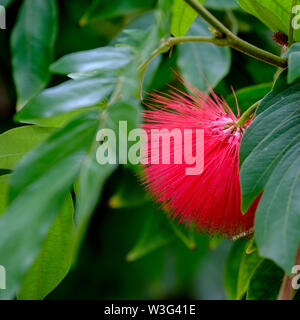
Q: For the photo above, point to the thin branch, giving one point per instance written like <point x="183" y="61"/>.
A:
<point x="208" y="17"/>
<point x="222" y="37"/>
<point x="291" y="27"/>
<point x="166" y="44"/>
<point x="235" y="42"/>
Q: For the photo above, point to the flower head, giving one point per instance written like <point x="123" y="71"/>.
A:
<point x="210" y="200"/>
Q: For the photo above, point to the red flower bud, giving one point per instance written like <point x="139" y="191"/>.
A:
<point x="211" y="200"/>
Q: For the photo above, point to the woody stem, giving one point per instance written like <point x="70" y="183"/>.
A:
<point x="234" y="41"/>
<point x="224" y="38"/>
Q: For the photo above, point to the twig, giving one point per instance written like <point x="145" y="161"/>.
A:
<point x="166" y="44"/>
<point x="234" y="41"/>
<point x="222" y="37"/>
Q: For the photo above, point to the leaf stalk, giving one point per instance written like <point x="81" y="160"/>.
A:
<point x="234" y="41"/>
<point x="247" y="114"/>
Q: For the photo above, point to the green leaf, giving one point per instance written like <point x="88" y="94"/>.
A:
<point x="294" y="63"/>
<point x="159" y="230"/>
<point x="144" y="39"/>
<point x="294" y="67"/>
<point x="248" y="96"/>
<point x="196" y="59"/>
<point x="90" y="184"/>
<point x="144" y="42"/>
<point x="4" y="180"/>
<point x="232" y="267"/>
<point x="120" y="110"/>
<point x="101" y="59"/>
<point x="129" y="192"/>
<point x="92" y="174"/>
<point x="270" y="161"/>
<point x="54" y="259"/>
<point x="278" y="222"/>
<point x="214" y="242"/>
<point x="266" y="282"/>
<point x="185" y="234"/>
<point x="252" y="246"/>
<point x="156" y="233"/>
<point x="273" y="132"/>
<point x="15" y="143"/>
<point x="67" y="97"/>
<point x="61" y="120"/>
<point x="103" y="9"/>
<point x="249" y="264"/>
<point x="129" y="111"/>
<point x="222" y="4"/>
<point x="38" y="188"/>
<point x="182" y="17"/>
<point x="89" y="187"/>
<point x="274" y="13"/>
<point x="127" y="84"/>
<point x="32" y="46"/>
<point x="280" y="87"/>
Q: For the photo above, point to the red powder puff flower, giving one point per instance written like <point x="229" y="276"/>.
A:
<point x="210" y="200"/>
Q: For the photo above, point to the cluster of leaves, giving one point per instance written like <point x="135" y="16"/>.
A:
<point x="54" y="182"/>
